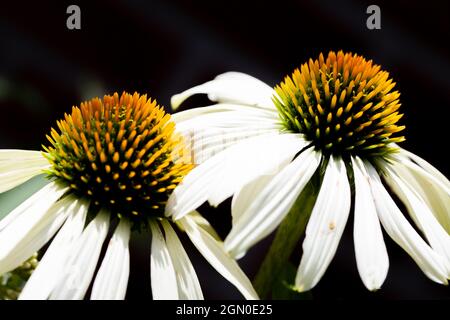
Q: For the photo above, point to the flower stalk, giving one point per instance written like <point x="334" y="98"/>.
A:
<point x="286" y="239"/>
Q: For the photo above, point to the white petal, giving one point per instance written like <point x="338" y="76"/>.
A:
<point x="242" y="199"/>
<point x="220" y="176"/>
<point x="14" y="177"/>
<point x="18" y="166"/>
<point x="230" y="111"/>
<point x="204" y="143"/>
<point x="163" y="277"/>
<point x="212" y="132"/>
<point x="424" y="169"/>
<point x="11" y="199"/>
<point x="74" y="280"/>
<point x="272" y="204"/>
<point x="232" y="87"/>
<point x="201" y="222"/>
<point x="188" y="284"/>
<point x="32" y="201"/>
<point x="194" y="113"/>
<point x="437" y="198"/>
<point x="428" y="168"/>
<point x="261" y="157"/>
<point x="16" y="154"/>
<point x="370" y="250"/>
<point x="112" y="277"/>
<point x="194" y="189"/>
<point x="246" y="117"/>
<point x="215" y="254"/>
<point x="28" y="227"/>
<point x="399" y="229"/>
<point x="421" y="214"/>
<point x="43" y="279"/>
<point x="325" y="226"/>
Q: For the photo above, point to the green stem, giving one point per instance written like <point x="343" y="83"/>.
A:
<point x="285" y="241"/>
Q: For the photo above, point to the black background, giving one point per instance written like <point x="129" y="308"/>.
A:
<point x="164" y="47"/>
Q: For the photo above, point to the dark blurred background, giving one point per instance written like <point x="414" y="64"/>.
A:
<point x="164" y="47"/>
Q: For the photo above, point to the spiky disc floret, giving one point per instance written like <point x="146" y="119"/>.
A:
<point x="343" y="104"/>
<point x="122" y="153"/>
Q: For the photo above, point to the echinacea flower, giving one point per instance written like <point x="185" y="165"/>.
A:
<point x="112" y="163"/>
<point x="336" y="116"/>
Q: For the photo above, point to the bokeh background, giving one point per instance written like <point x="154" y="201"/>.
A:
<point x="163" y="47"/>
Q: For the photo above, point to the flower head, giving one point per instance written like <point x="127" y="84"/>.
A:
<point x="114" y="161"/>
<point x="121" y="153"/>
<point x="344" y="104"/>
<point x="334" y="119"/>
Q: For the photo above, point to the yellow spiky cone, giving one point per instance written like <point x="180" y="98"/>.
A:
<point x="343" y="103"/>
<point x="121" y="153"/>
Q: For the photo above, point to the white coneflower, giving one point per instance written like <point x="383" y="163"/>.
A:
<point x="335" y="116"/>
<point x="113" y="161"/>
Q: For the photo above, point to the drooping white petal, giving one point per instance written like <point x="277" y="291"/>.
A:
<point x="220" y="176"/>
<point x="18" y="166"/>
<point x="31" y="225"/>
<point x="43" y="279"/>
<point x="272" y="204"/>
<point x="242" y="199"/>
<point x="201" y="222"/>
<point x="240" y="202"/>
<point x="435" y="196"/>
<point x="232" y="87"/>
<point x="436" y="235"/>
<point x="112" y="277"/>
<point x="399" y="229"/>
<point x="424" y="169"/>
<point x="215" y="254"/>
<point x="76" y="275"/>
<point x="428" y="168"/>
<point x="163" y="276"/>
<point x="264" y="157"/>
<point x="188" y="284"/>
<point x="325" y="226"/>
<point x="194" y="189"/>
<point x="370" y="250"/>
